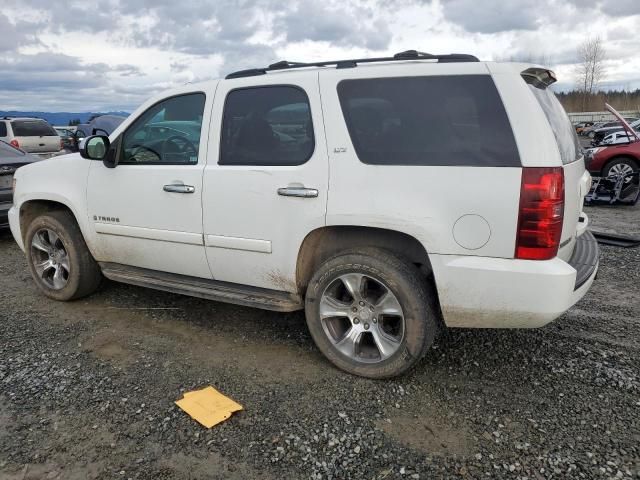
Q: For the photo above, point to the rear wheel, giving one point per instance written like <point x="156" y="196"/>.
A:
<point x="371" y="313"/>
<point x="58" y="257"/>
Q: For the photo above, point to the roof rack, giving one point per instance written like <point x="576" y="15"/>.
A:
<point x="406" y="55"/>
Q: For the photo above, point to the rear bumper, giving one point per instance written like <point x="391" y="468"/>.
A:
<point x="481" y="292"/>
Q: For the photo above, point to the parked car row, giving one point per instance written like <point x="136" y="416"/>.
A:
<point x="618" y="152"/>
<point x="607" y="133"/>
<point x="11" y="158"/>
<point x="26" y="140"/>
<point x="602" y="128"/>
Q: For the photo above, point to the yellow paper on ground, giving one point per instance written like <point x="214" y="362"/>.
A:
<point x="208" y="406"/>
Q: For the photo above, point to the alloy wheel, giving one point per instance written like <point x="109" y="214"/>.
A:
<point x="50" y="259"/>
<point x="621" y="169"/>
<point x="362" y="318"/>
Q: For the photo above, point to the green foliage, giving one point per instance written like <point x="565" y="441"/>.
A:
<point x="578" y="101"/>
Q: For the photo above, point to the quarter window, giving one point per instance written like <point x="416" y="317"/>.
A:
<point x="3" y="129"/>
<point x="167" y="133"/>
<point x="566" y="138"/>
<point x="435" y="120"/>
<point x="266" y="126"/>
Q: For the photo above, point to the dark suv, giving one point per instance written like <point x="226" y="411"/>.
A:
<point x="11" y="159"/>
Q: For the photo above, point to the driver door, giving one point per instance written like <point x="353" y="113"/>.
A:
<point x="147" y="211"/>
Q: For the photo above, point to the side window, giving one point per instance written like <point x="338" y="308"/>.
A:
<point x="435" y="120"/>
<point x="566" y="138"/>
<point x="167" y="133"/>
<point x="266" y="126"/>
<point x="3" y="129"/>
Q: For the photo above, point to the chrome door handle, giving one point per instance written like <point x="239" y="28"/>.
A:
<point x="179" y="188"/>
<point x="298" y="192"/>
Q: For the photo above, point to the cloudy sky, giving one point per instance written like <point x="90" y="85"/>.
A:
<point x="112" y="54"/>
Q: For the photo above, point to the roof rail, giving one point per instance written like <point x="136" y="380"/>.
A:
<point x="406" y="55"/>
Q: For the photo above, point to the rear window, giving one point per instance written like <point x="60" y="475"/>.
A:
<point x="435" y="120"/>
<point x="32" y="128"/>
<point x="565" y="134"/>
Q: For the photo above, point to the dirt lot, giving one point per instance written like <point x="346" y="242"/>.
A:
<point x="87" y="390"/>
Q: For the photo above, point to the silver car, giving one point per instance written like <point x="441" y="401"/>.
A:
<point x="33" y="135"/>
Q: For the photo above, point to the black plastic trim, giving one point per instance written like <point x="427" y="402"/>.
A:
<point x="350" y="63"/>
<point x="585" y="258"/>
<point x="227" y="292"/>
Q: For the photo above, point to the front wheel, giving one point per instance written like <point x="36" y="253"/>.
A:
<point x="58" y="257"/>
<point x="620" y="166"/>
<point x="371" y="313"/>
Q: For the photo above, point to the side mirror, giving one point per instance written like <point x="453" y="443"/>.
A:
<point x="94" y="147"/>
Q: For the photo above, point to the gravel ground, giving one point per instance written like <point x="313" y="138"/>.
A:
<point x="87" y="390"/>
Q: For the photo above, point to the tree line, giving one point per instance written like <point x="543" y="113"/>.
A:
<point x="581" y="101"/>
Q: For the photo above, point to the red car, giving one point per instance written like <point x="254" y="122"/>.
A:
<point x="620" y="158"/>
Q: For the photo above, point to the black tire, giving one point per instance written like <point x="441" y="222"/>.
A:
<point x="84" y="275"/>
<point x="619" y="161"/>
<point x="411" y="289"/>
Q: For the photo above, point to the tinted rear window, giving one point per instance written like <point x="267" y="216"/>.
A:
<point x="3" y="129"/>
<point x="435" y="120"/>
<point x="564" y="132"/>
<point x="32" y="128"/>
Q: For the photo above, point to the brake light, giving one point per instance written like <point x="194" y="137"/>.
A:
<point x="15" y="143"/>
<point x="541" y="213"/>
<point x="61" y="144"/>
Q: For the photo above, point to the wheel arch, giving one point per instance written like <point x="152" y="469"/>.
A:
<point x="30" y="209"/>
<point x="323" y="243"/>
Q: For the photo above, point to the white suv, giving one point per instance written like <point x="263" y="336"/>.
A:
<point x="32" y="135"/>
<point x="385" y="197"/>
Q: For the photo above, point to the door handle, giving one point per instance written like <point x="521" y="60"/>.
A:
<point x="298" y="192"/>
<point x="179" y="188"/>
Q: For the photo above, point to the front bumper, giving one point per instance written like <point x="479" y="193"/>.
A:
<point x="14" y="224"/>
<point x="4" y="214"/>
<point x="482" y="292"/>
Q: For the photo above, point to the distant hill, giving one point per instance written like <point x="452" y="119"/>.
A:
<point x="59" y="118"/>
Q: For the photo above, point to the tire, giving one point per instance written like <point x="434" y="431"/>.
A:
<point x="74" y="273"/>
<point x="405" y="338"/>
<point x="620" y="164"/>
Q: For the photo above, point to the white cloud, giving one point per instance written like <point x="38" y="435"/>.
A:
<point x="112" y="54"/>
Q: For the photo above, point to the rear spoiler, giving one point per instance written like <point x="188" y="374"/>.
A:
<point x="539" y="77"/>
<point x="630" y="131"/>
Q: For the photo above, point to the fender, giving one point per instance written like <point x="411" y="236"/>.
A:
<point x="61" y="180"/>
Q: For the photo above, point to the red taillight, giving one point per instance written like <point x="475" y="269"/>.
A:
<point x="15" y="143"/>
<point x="61" y="144"/>
<point x="541" y="213"/>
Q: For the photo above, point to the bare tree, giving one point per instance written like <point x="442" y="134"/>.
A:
<point x="590" y="71"/>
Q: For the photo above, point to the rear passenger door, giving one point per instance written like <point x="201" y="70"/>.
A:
<point x="425" y="149"/>
<point x="265" y="183"/>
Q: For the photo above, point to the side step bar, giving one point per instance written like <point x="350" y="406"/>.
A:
<point x="202" y="288"/>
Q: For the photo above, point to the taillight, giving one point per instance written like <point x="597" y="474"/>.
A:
<point x="541" y="213"/>
<point x="15" y="143"/>
<point x="61" y="144"/>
